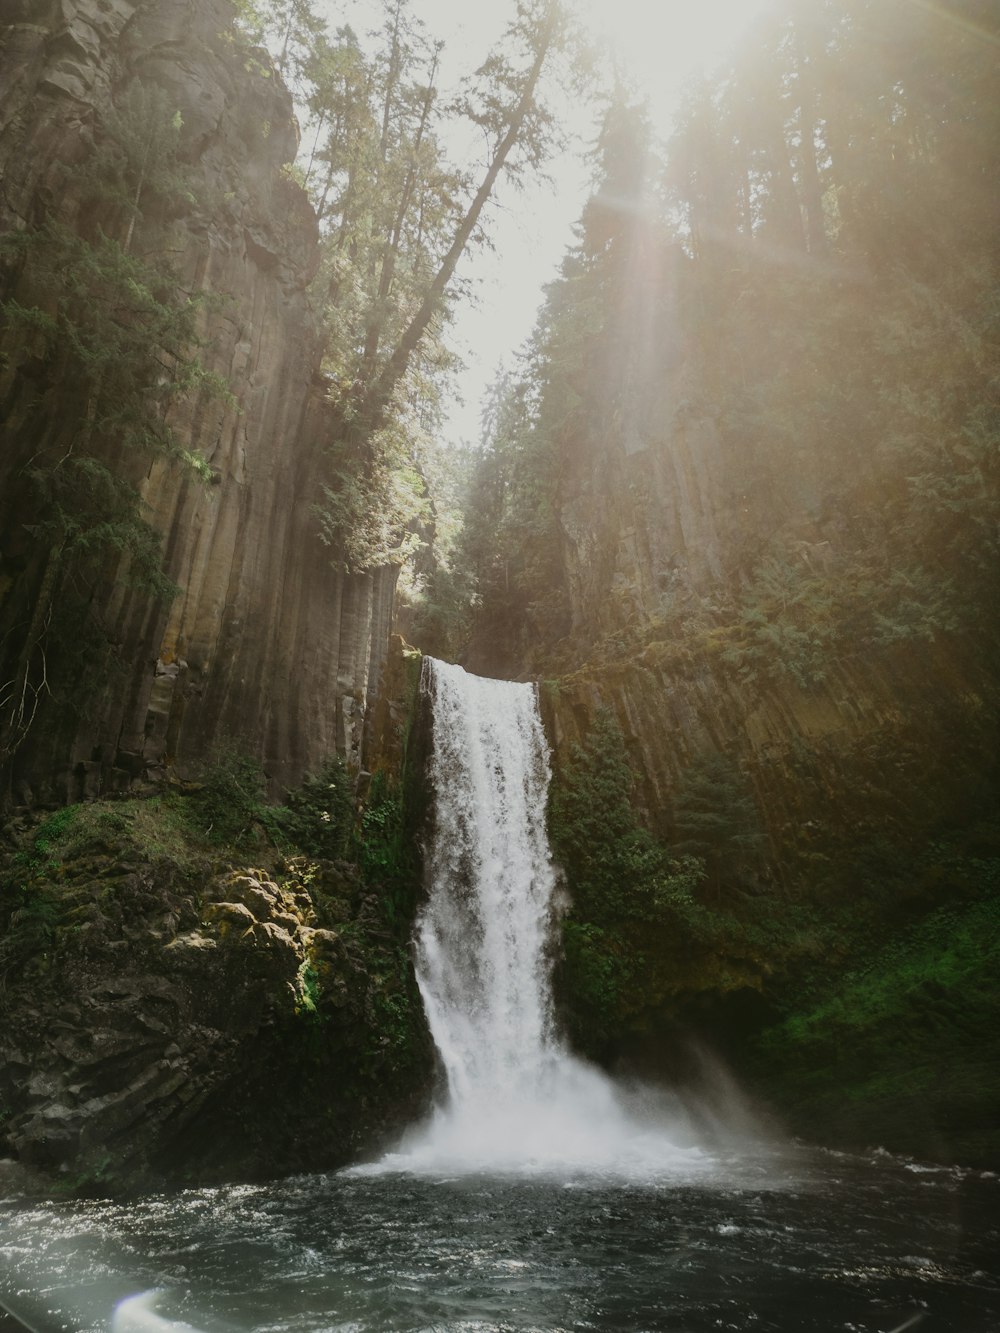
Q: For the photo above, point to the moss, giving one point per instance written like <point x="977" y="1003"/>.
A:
<point x="308" y="989"/>
<point x="904" y="1050"/>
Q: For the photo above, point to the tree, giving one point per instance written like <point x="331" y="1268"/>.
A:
<point x="819" y="286"/>
<point x="397" y="218"/>
<point x="716" y="818"/>
<point x="506" y="106"/>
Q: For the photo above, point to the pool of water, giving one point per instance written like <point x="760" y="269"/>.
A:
<point x="798" y="1241"/>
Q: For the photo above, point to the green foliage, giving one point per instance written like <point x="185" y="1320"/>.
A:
<point x="594" y="973"/>
<point x="159" y="827"/>
<point x="620" y="874"/>
<point x="137" y="166"/>
<point x="396" y="213"/>
<point x="229" y="804"/>
<point x="291" y="28"/>
<point x="30" y="900"/>
<point x="32" y="915"/>
<point x="793" y="620"/>
<point x="715" y="816"/>
<point x="397" y="1014"/>
<point x="381" y="827"/>
<point x="317" y="817"/>
<point x="372" y="513"/>
<point x="115" y="330"/>
<point x="124" y="325"/>
<point x="613" y="863"/>
<point x="435" y="592"/>
<point x="510" y="543"/>
<point x="648" y="920"/>
<point x="955" y="949"/>
<point x="125" y="336"/>
<point x="626" y="890"/>
<point x="50" y="834"/>
<point x="437" y="606"/>
<point x="308" y="990"/>
<point x="860" y="1061"/>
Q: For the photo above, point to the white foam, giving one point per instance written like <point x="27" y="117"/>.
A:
<point x="518" y="1101"/>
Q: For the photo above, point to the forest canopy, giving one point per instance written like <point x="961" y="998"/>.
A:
<point x="805" y="277"/>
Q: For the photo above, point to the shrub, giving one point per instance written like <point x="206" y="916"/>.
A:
<point x="230" y="798"/>
<point x="317" y="816"/>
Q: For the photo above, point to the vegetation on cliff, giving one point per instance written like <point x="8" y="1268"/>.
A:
<point x="808" y="281"/>
<point x="144" y="240"/>
<point x="396" y="216"/>
<point x="841" y="971"/>
<point x="208" y="985"/>
<point x="109" y="320"/>
<point x="648" y="919"/>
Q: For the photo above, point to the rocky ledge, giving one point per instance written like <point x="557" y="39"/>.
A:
<point x="170" y="1019"/>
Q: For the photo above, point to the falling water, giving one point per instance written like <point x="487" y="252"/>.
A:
<point x="517" y="1098"/>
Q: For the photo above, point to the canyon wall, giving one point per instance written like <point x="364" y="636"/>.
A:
<point x="268" y="646"/>
<point x="830" y="937"/>
<point x="892" y="747"/>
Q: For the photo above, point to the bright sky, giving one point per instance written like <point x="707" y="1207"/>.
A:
<point x="658" y="44"/>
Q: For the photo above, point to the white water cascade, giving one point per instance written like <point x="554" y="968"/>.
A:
<point x="517" y="1098"/>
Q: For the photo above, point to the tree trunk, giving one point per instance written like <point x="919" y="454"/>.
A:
<point x="391" y="253"/>
<point x="812" y="189"/>
<point x="395" y="368"/>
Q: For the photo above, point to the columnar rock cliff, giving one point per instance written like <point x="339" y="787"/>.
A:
<point x="267" y="645"/>
<point x="832" y="942"/>
<point x="740" y="513"/>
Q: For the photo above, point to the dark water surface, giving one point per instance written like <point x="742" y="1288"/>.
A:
<point x="813" y="1242"/>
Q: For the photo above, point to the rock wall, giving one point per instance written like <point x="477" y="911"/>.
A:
<point x="164" y="1019"/>
<point x="896" y="743"/>
<point x="635" y="520"/>
<point x="843" y="808"/>
<point x="268" y="646"/>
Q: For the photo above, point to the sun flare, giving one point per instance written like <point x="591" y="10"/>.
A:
<point x="659" y="44"/>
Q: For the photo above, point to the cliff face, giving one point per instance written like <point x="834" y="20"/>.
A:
<point x="267" y="645"/>
<point x="165" y="1017"/>
<point x="830" y="941"/>
<point x="896" y="743"/>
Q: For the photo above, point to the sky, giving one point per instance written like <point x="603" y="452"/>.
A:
<point x="660" y="45"/>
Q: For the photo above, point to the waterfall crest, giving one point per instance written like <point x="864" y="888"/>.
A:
<point x="517" y="1098"/>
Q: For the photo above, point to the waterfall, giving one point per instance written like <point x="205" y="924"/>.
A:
<point x="517" y="1098"/>
<point x="485" y="936"/>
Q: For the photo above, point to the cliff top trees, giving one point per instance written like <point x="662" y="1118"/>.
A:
<point x="813" y="276"/>
<point x="397" y="215"/>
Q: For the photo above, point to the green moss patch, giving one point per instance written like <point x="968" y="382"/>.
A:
<point x="904" y="1051"/>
